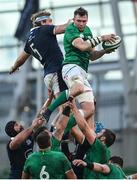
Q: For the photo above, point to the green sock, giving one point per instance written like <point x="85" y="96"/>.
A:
<point x="71" y="123"/>
<point x="63" y="97"/>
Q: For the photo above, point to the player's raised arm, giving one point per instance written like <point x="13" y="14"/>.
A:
<point x="19" y="62"/>
<point x="89" y="44"/>
<point x="83" y="125"/>
<point x="102" y="168"/>
<point x="59" y="29"/>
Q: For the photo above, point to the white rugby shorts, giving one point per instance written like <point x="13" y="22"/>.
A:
<point x="72" y="74"/>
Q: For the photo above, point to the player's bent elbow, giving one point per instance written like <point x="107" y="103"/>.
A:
<point x="83" y="48"/>
<point x="71" y="175"/>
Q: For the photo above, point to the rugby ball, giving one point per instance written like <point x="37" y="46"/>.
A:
<point x="114" y="45"/>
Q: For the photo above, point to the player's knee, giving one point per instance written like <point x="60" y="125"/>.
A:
<point x="78" y="83"/>
<point x="77" y="88"/>
<point x="92" y="110"/>
<point x="89" y="113"/>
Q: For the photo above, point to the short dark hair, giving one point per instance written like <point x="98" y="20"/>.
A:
<point x="43" y="140"/>
<point x="81" y="11"/>
<point x="38" y="131"/>
<point x="9" y="129"/>
<point x="117" y="160"/>
<point x="110" y="137"/>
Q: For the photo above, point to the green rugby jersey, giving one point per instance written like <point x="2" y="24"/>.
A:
<point x="55" y="144"/>
<point x="47" y="165"/>
<point x="115" y="173"/>
<point x="72" y="54"/>
<point x="99" y="153"/>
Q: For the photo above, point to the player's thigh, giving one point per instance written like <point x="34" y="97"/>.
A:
<point x="55" y="83"/>
<point x="51" y="82"/>
<point x="87" y="95"/>
<point x="71" y="74"/>
<point x="88" y="108"/>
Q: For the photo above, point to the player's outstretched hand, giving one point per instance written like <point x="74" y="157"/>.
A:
<point x="109" y="37"/>
<point x="72" y="104"/>
<point x="12" y="70"/>
<point x="37" y="122"/>
<point x="79" y="162"/>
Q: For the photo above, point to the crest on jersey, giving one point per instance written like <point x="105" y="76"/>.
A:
<point x="89" y="37"/>
<point x="28" y="142"/>
<point x="81" y="35"/>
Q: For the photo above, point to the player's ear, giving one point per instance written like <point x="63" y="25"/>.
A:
<point x="102" y="138"/>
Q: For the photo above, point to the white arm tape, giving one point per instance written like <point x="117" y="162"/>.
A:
<point x="94" y="41"/>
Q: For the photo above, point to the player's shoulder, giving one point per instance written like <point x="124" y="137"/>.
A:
<point x="46" y="29"/>
<point x="58" y="153"/>
<point x="88" y="29"/>
<point x="98" y="143"/>
<point x="71" y="28"/>
<point x="33" y="155"/>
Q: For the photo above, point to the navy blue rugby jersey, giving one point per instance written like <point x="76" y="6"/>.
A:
<point x="18" y="157"/>
<point x="43" y="45"/>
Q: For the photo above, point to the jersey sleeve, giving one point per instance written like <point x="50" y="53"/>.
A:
<point x="48" y="29"/>
<point x="27" y="48"/>
<point x="110" y="167"/>
<point x="82" y="149"/>
<point x="66" y="164"/>
<point x="26" y="166"/>
<point x="55" y="144"/>
<point x="71" y="34"/>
